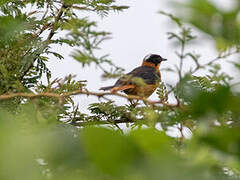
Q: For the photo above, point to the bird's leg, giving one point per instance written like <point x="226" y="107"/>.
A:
<point x="133" y="102"/>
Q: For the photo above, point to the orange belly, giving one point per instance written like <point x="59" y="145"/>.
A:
<point x="143" y="91"/>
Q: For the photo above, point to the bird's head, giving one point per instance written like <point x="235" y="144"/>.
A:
<point x="154" y="59"/>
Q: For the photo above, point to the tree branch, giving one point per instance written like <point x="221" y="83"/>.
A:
<point x="93" y="123"/>
<point x="53" y="28"/>
<point x="57" y="18"/>
<point x="85" y="92"/>
<point x="220" y="56"/>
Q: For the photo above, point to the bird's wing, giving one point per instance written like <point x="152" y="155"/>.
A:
<point x="147" y="74"/>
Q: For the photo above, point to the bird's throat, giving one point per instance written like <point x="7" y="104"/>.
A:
<point x="151" y="65"/>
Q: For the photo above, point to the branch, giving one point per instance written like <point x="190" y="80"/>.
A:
<point x="85" y="92"/>
<point x="181" y="57"/>
<point x="93" y="123"/>
<point x="220" y="56"/>
<point x="126" y="119"/>
<point x="51" y="34"/>
<point x="57" y="18"/>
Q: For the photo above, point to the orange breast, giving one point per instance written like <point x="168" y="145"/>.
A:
<point x="143" y="91"/>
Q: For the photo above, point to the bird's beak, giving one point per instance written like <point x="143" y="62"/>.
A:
<point x="163" y="59"/>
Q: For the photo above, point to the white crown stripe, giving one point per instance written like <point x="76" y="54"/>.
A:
<point x="147" y="57"/>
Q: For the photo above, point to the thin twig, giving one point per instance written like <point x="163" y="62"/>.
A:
<point x="57" y="18"/>
<point x="220" y="56"/>
<point x="181" y="58"/>
<point x="51" y="34"/>
<point x="92" y="123"/>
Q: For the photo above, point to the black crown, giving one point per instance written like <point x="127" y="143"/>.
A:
<point x="154" y="58"/>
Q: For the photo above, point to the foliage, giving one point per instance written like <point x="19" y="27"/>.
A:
<point x="221" y="24"/>
<point x="44" y="134"/>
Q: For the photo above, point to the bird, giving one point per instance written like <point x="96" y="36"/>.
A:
<point x="141" y="81"/>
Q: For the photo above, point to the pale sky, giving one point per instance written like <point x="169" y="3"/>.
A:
<point x="136" y="32"/>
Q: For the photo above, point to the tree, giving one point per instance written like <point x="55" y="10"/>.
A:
<point x="44" y="135"/>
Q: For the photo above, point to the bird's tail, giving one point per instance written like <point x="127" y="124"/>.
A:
<point x="106" y="88"/>
<point x="114" y="89"/>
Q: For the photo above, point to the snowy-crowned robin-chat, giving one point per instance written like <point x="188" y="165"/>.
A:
<point x="141" y="81"/>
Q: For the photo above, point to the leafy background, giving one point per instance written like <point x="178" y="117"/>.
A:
<point x="46" y="135"/>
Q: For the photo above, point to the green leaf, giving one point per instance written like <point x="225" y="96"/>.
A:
<point x="221" y="24"/>
<point x="223" y="139"/>
<point x="206" y="102"/>
<point x="110" y="151"/>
